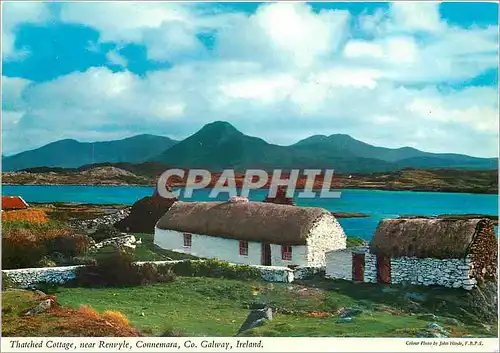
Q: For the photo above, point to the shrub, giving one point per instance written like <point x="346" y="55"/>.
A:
<point x="215" y="268"/>
<point x="25" y="244"/>
<point x="116" y="317"/>
<point x="21" y="248"/>
<point x="105" y="231"/>
<point x="118" y="270"/>
<point x="70" y="245"/>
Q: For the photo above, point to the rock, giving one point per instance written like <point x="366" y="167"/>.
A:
<point x="469" y="282"/>
<point x="43" y="306"/>
<point x="430" y="317"/>
<point x="350" y="312"/>
<point x="435" y="327"/>
<point x="450" y="321"/>
<point x="257" y="317"/>
<point x="344" y="319"/>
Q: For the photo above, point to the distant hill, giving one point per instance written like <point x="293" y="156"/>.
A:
<point x="72" y="154"/>
<point x="404" y="157"/>
<point x="219" y="145"/>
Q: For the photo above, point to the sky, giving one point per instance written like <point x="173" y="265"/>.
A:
<point x="420" y="74"/>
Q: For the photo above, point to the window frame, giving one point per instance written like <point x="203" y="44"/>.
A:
<point x="243" y="247"/>
<point x="188" y="240"/>
<point x="286" y="255"/>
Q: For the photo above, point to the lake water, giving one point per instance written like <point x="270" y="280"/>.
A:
<point x="377" y="204"/>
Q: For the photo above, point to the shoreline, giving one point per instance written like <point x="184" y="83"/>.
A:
<point x="351" y="187"/>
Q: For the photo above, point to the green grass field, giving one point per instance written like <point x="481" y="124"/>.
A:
<point x="217" y="307"/>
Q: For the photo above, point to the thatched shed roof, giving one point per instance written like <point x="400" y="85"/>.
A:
<point x="424" y="237"/>
<point x="252" y="221"/>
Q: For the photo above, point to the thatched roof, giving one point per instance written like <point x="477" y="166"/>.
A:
<point x="252" y="221"/>
<point x="424" y="237"/>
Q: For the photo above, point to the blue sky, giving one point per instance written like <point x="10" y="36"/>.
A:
<point x="392" y="74"/>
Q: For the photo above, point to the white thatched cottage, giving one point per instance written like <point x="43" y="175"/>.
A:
<point x="449" y="252"/>
<point x="253" y="233"/>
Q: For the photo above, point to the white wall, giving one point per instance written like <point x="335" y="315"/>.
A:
<point x="226" y="249"/>
<point x="208" y="247"/>
<point x="339" y="264"/>
<point x="299" y="256"/>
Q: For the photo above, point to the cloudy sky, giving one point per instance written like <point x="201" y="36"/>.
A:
<point x="391" y="74"/>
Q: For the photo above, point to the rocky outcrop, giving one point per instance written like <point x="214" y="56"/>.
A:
<point x="109" y="219"/>
<point x="257" y="317"/>
<point x="126" y="240"/>
<point x="144" y="214"/>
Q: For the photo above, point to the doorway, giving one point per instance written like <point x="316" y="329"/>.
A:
<point x="358" y="267"/>
<point x="383" y="270"/>
<point x="266" y="254"/>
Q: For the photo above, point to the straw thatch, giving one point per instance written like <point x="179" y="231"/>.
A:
<point x="424" y="237"/>
<point x="252" y="221"/>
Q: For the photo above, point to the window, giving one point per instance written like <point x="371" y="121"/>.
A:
<point x="187" y="240"/>
<point x="286" y="252"/>
<point x="243" y="247"/>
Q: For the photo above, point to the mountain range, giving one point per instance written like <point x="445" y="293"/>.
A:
<point x="220" y="145"/>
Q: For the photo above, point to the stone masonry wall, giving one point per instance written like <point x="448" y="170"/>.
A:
<point x="453" y="273"/>
<point x="30" y="277"/>
<point x="370" y="268"/>
<point x="326" y="235"/>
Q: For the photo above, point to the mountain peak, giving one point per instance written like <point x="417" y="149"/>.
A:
<point x="219" y="128"/>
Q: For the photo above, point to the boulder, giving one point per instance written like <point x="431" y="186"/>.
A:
<point x="43" y="306"/>
<point x="257" y="317"/>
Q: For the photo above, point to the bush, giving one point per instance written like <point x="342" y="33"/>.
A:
<point x="215" y="268"/>
<point x="105" y="231"/>
<point x="26" y="244"/>
<point x="118" y="270"/>
<point x="21" y="248"/>
<point x="69" y="245"/>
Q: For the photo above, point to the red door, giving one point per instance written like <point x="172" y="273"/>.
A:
<point x="383" y="270"/>
<point x="358" y="267"/>
<point x="266" y="254"/>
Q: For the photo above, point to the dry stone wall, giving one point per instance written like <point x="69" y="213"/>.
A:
<point x="30" y="277"/>
<point x="453" y="273"/>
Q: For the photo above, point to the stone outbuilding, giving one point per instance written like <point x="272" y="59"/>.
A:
<point x="253" y="233"/>
<point x="450" y="252"/>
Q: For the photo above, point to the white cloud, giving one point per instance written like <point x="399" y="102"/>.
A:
<point x="114" y="58"/>
<point x="286" y="34"/>
<point x="416" y="16"/>
<point x="168" y="30"/>
<point x="13" y="14"/>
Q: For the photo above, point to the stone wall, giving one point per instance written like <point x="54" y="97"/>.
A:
<point x="30" y="277"/>
<point x="370" y="268"/>
<point x="453" y="273"/>
<point x="308" y="272"/>
<point x="326" y="235"/>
